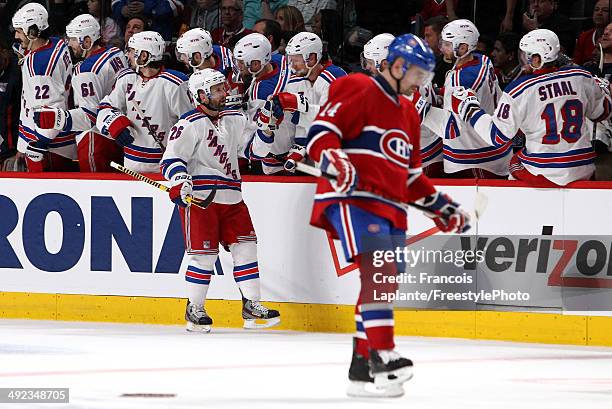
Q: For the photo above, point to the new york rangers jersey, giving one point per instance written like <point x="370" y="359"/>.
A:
<point x="92" y="80"/>
<point x="550" y="108"/>
<point x="431" y="142"/>
<point x="463" y="149"/>
<point x="46" y="80"/>
<point x="316" y="93"/>
<point x="270" y="151"/>
<point x="207" y="150"/>
<point x="163" y="99"/>
<point x="379" y="131"/>
<point x="225" y="60"/>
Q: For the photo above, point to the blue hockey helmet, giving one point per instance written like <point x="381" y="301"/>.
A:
<point x="413" y="50"/>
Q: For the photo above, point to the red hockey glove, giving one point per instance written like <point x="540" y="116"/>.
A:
<point x="445" y="213"/>
<point x="336" y="162"/>
<point x="52" y="118"/>
<point x="117" y="126"/>
<point x="288" y="101"/>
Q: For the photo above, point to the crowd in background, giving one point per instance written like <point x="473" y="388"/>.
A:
<point x="343" y="25"/>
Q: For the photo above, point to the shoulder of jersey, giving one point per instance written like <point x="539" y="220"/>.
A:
<point x="519" y="85"/>
<point x="45" y="60"/>
<point x="175" y="77"/>
<point x="126" y="73"/>
<point x="192" y="116"/>
<point x="473" y="75"/>
<point x="96" y="62"/>
<point x="332" y="73"/>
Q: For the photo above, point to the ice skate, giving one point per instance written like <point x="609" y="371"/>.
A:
<point x="197" y="318"/>
<point x="255" y="315"/>
<point x="361" y="382"/>
<point x="389" y="368"/>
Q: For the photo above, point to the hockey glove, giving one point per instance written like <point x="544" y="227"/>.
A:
<point x="464" y="103"/>
<point x="288" y="101"/>
<point x="181" y="188"/>
<point x="52" y="118"/>
<point x="336" y="162"/>
<point x="296" y="154"/>
<point x="117" y="126"/>
<point x="445" y="213"/>
<point x="266" y="120"/>
<point x="36" y="150"/>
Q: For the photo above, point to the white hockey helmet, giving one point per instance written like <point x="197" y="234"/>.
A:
<point x="459" y="32"/>
<point x="32" y="16"/>
<point x="542" y="42"/>
<point x="305" y="44"/>
<point x="196" y="40"/>
<point x="204" y="80"/>
<point x="84" y="25"/>
<point x="253" y="47"/>
<point x="377" y="49"/>
<point x="150" y="41"/>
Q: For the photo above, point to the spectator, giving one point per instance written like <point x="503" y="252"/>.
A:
<point x="271" y="30"/>
<point x="435" y="8"/>
<point x="135" y="25"/>
<point x="203" y="14"/>
<point x="290" y="19"/>
<point x="327" y="25"/>
<point x="433" y="28"/>
<point x="587" y="40"/>
<point x="545" y="15"/>
<point x="308" y="9"/>
<point x="602" y="67"/>
<point x="256" y="10"/>
<point x="285" y="37"/>
<point x="109" y="28"/>
<point x="231" y="23"/>
<point x="484" y="45"/>
<point x="160" y="12"/>
<point x="505" y="58"/>
<point x="388" y="16"/>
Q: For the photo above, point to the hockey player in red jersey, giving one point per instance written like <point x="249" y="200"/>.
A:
<point x="367" y="135"/>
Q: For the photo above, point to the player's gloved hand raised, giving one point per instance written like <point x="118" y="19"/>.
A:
<point x="52" y="118"/>
<point x="296" y="154"/>
<point x="288" y="101"/>
<point x="267" y="120"/>
<point x="336" y="163"/>
<point x="117" y="126"/>
<point x="445" y="213"/>
<point x="36" y="150"/>
<point x="180" y="189"/>
<point x="464" y="103"/>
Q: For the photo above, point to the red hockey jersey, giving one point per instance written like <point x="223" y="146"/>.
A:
<point x="380" y="133"/>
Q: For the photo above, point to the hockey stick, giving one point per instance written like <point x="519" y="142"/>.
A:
<point x="480" y="202"/>
<point x="202" y="204"/>
<point x="147" y="124"/>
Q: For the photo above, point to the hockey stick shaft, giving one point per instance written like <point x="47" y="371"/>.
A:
<point x="154" y="183"/>
<point x="480" y="203"/>
<point x="145" y="121"/>
<point x="314" y="171"/>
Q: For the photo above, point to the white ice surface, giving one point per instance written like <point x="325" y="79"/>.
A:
<point x="278" y="369"/>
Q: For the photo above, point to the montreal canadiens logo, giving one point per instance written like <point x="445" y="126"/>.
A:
<point x="395" y="145"/>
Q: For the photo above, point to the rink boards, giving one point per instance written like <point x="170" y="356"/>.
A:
<point x="105" y="248"/>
